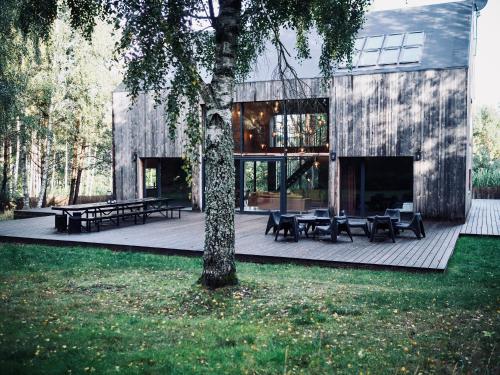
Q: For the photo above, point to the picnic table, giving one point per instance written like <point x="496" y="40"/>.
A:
<point x="97" y="213"/>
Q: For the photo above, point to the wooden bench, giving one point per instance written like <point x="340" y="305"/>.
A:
<point x="97" y="221"/>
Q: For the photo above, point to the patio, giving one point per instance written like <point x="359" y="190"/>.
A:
<point x="176" y="237"/>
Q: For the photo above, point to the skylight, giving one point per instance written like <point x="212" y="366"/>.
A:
<point x="389" y="49"/>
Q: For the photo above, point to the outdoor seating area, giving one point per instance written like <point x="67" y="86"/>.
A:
<point x="83" y="217"/>
<point x="321" y="224"/>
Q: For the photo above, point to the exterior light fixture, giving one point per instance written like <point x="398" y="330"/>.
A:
<point x="333" y="156"/>
<point x="302" y="150"/>
<point x="262" y="146"/>
<point x="418" y="155"/>
<point x="250" y="135"/>
<point x="316" y="164"/>
<point x="261" y="114"/>
<point x="327" y="145"/>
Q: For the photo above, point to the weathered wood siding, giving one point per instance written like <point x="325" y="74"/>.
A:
<point x="141" y="129"/>
<point x="273" y="90"/>
<point x="397" y="114"/>
<point x="386" y="114"/>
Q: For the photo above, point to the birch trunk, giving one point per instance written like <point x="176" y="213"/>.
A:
<point x="15" y="180"/>
<point x="46" y="160"/>
<point x="5" y="173"/>
<point x="218" y="257"/>
<point x="23" y="156"/>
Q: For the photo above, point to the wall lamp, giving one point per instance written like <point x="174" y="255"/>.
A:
<point x="418" y="155"/>
<point x="333" y="156"/>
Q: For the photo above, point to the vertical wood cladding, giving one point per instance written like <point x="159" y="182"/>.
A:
<point x="398" y="114"/>
<point x="141" y="129"/>
<point x="386" y="114"/>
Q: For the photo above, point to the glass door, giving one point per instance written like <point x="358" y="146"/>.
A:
<point x="259" y="186"/>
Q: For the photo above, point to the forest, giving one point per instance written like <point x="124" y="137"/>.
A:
<point x="55" y="113"/>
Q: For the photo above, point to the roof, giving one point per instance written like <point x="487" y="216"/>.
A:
<point x="446" y="29"/>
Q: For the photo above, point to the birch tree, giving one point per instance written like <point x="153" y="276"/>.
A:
<point x="196" y="50"/>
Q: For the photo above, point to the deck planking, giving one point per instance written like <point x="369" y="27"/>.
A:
<point x="186" y="236"/>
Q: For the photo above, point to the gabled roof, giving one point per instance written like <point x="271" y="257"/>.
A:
<point x="446" y="31"/>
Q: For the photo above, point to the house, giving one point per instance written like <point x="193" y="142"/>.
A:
<point x="393" y="128"/>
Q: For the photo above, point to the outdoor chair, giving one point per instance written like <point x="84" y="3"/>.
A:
<point x="61" y="222"/>
<point x="273" y="221"/>
<point x="343" y="225"/>
<point x="75" y="223"/>
<point x="289" y="224"/>
<point x="360" y="223"/>
<point x="416" y="225"/>
<point x="337" y="225"/>
<point x="394" y="213"/>
<point x="357" y="222"/>
<point x="322" y="213"/>
<point x="382" y="223"/>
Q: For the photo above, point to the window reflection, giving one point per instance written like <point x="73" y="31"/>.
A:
<point x="264" y="123"/>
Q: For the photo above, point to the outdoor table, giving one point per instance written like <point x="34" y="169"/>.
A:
<point x="111" y="210"/>
<point x="312" y="221"/>
<point x="104" y="208"/>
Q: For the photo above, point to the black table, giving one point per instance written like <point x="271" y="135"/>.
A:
<point x="95" y="213"/>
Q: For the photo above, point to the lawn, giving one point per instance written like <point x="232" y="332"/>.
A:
<point x="75" y="310"/>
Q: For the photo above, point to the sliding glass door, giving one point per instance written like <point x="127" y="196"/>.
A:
<point x="259" y="185"/>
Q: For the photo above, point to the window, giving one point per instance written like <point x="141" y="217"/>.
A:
<point x="368" y="58"/>
<point x="390" y="49"/>
<point x="150" y="178"/>
<point x="389" y="56"/>
<point x="413" y="39"/>
<point x="410" y="55"/>
<point x="393" y="40"/>
<point x="412" y="50"/>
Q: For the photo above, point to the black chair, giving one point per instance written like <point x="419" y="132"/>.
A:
<point x="337" y="225"/>
<point x="273" y="221"/>
<point x="343" y="225"/>
<point x="75" y="223"/>
<point x="327" y="230"/>
<point x="357" y="222"/>
<point x="382" y="223"/>
<point x="321" y="213"/>
<point x="290" y="224"/>
<point x="61" y="222"/>
<point x="394" y="213"/>
<point x="416" y="225"/>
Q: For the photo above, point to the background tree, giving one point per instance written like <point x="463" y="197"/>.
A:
<point x="59" y="100"/>
<point x="486" y="149"/>
<point x="172" y="45"/>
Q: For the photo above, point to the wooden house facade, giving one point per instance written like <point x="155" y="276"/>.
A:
<point x="393" y="128"/>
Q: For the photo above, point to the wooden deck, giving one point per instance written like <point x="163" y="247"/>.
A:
<point x="483" y="219"/>
<point x="185" y="237"/>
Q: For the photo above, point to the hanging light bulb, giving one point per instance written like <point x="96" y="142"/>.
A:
<point x="302" y="150"/>
<point x="316" y="163"/>
<point x="250" y="136"/>
<point x="262" y="146"/>
<point x="327" y="145"/>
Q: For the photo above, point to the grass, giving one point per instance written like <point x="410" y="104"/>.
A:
<point x="70" y="310"/>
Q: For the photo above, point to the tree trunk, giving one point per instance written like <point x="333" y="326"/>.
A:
<point x="46" y="161"/>
<point x="15" y="180"/>
<point x="4" y="190"/>
<point x="24" y="170"/>
<point x="66" y="166"/>
<point x="218" y="257"/>
<point x="76" y="174"/>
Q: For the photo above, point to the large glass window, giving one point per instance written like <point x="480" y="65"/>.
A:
<point x="307" y="183"/>
<point x="270" y="127"/>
